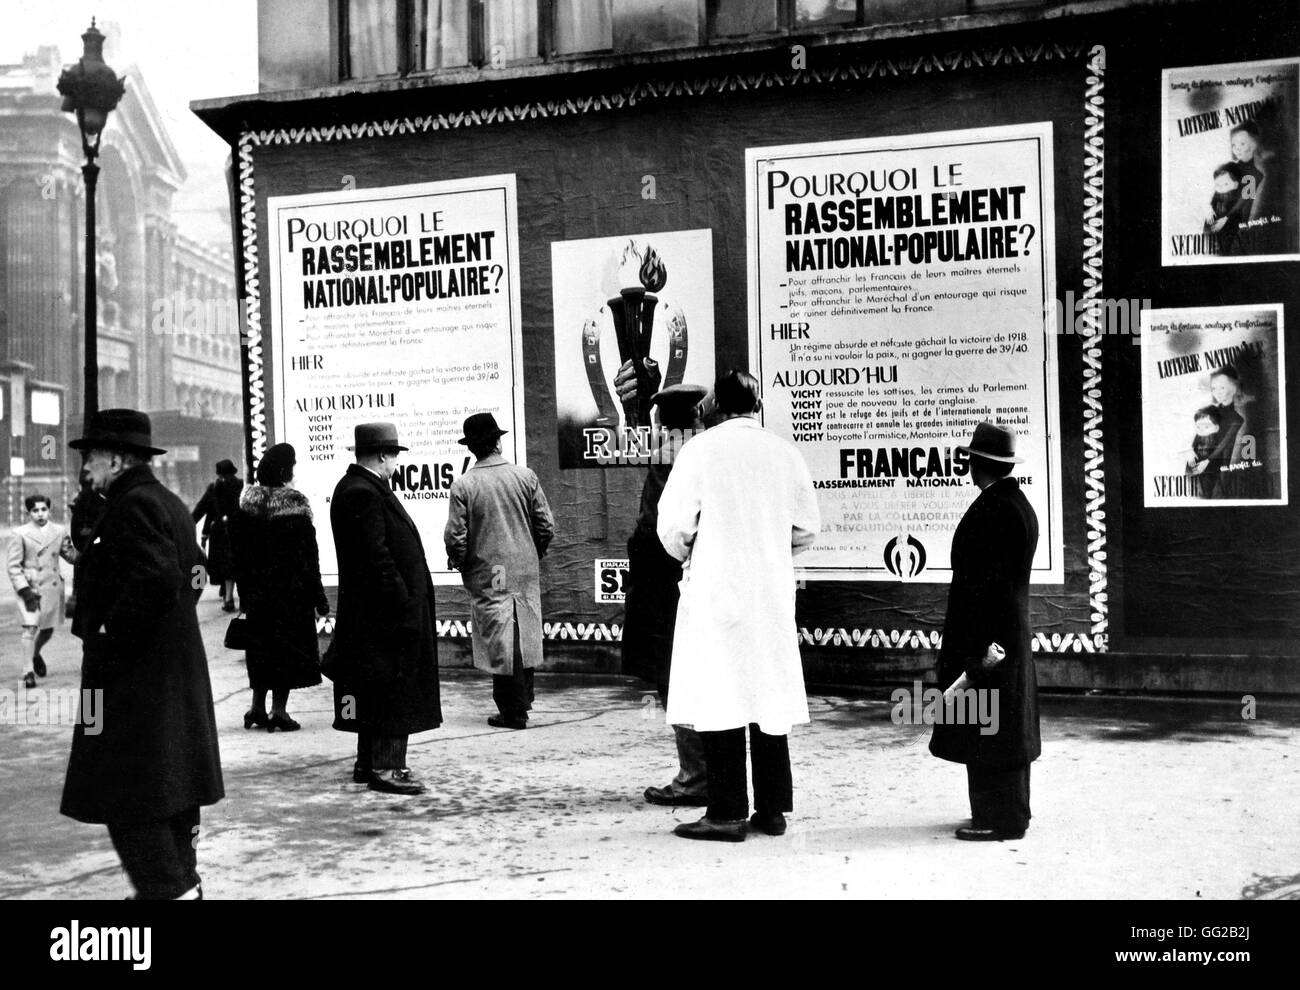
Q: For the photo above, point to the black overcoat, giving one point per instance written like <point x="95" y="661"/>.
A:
<point x="155" y="752"/>
<point x="277" y="565"/>
<point x="988" y="602"/>
<point x="384" y="658"/>
<point x="650" y="608"/>
<point x="216" y="509"/>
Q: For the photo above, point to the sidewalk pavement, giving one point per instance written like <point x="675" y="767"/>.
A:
<point x="1133" y="797"/>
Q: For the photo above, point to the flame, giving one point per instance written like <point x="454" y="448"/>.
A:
<point x="654" y="273"/>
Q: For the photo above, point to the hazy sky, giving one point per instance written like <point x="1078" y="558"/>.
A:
<point x="186" y="51"/>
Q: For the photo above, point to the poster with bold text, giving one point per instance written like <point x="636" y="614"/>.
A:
<point x="398" y="304"/>
<point x="1213" y="407"/>
<point x="1231" y="163"/>
<point x="633" y="315"/>
<point x="902" y="290"/>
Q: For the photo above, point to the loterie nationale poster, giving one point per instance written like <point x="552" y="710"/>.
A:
<point x="1214" y="406"/>
<point x="1230" y="164"/>
<point x="902" y="289"/>
<point x="397" y="304"/>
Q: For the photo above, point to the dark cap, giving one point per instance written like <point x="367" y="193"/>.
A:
<point x="481" y="428"/>
<point x="375" y="436"/>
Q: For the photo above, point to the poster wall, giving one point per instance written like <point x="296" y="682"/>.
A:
<point x="642" y="303"/>
<point x="1214" y="407"/>
<point x="397" y="304"/>
<point x="901" y="290"/>
<point x="1231" y="163"/>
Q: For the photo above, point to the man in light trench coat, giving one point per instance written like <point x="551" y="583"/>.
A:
<point x="498" y="528"/>
<point x="737" y="507"/>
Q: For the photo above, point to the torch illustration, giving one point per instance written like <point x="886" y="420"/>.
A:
<point x="632" y="311"/>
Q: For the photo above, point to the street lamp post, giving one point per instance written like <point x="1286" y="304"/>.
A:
<point x="92" y="90"/>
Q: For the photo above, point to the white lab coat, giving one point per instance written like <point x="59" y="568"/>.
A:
<point x="737" y="507"/>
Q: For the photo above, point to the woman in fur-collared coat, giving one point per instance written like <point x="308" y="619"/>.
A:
<point x="278" y="570"/>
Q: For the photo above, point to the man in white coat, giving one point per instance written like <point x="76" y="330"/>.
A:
<point x="737" y="508"/>
<point x="33" y="560"/>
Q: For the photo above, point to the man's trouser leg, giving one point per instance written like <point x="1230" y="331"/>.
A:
<point x="513" y="692"/>
<point x="692" y="775"/>
<point x="724" y="759"/>
<point x="999" y="799"/>
<point x="387" y="753"/>
<point x="773" y="781"/>
<point x="159" y="856"/>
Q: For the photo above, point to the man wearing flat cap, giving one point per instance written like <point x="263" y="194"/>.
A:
<point x="498" y="528"/>
<point x="150" y="761"/>
<point x="986" y="641"/>
<point x="384" y="657"/>
<point x="652" y="594"/>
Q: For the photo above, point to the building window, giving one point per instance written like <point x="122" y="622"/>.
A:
<point x="583" y="26"/>
<point x="510" y="30"/>
<point x="814" y="13"/>
<point x="45" y="408"/>
<point x="441" y="31"/>
<point x="732" y="18"/>
<point x="372" y="38"/>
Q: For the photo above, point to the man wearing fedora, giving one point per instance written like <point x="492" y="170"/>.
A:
<point x="152" y="760"/>
<point x="384" y="657"/>
<point x="498" y="528"/>
<point x="988" y="604"/>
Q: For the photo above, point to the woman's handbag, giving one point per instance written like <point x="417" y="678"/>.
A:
<point x="238" y="636"/>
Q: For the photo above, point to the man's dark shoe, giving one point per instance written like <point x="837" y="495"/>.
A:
<point x="38" y="665"/>
<point x="502" y="722"/>
<point x="987" y="834"/>
<point x="773" y="824"/>
<point x="707" y="828"/>
<point x="360" y="774"/>
<point x="669" y="798"/>
<point x="29" y="680"/>
<point x="395" y="782"/>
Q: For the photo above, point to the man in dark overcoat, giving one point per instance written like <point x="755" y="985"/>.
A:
<point x="150" y="761"/>
<point x="988" y="603"/>
<point x="652" y="595"/>
<point x="384" y="658"/>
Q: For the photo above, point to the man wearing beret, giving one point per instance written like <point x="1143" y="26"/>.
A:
<point x="150" y="761"/>
<point x="986" y="641"/>
<point x="498" y="528"/>
<point x="384" y="657"/>
<point x="653" y="593"/>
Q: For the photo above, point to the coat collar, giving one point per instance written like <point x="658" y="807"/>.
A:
<point x="357" y="471"/>
<point x="492" y="460"/>
<point x="132" y="477"/>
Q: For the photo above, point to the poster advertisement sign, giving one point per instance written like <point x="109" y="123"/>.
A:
<point x="397" y="304"/>
<point x="611" y="574"/>
<point x="902" y="289"/>
<point x="640" y="303"/>
<point x="1214" y="407"/>
<point x="1231" y="163"/>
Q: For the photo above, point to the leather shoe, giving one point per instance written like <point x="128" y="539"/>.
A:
<point x="773" y="824"/>
<point x="971" y="834"/>
<point x="668" y="798"/>
<point x="707" y="828"/>
<point x="395" y="782"/>
<point x="501" y="722"/>
<point x="38" y="665"/>
<point x="29" y="680"/>
<point x="360" y="774"/>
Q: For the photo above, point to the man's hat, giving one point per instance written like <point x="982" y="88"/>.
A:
<point x="375" y="436"/>
<point x="677" y="402"/>
<point x="995" y="441"/>
<point x="118" y="429"/>
<point x="225" y="466"/>
<point x="481" y="428"/>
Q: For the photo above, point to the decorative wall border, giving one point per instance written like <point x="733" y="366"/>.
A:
<point x="1097" y="640"/>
